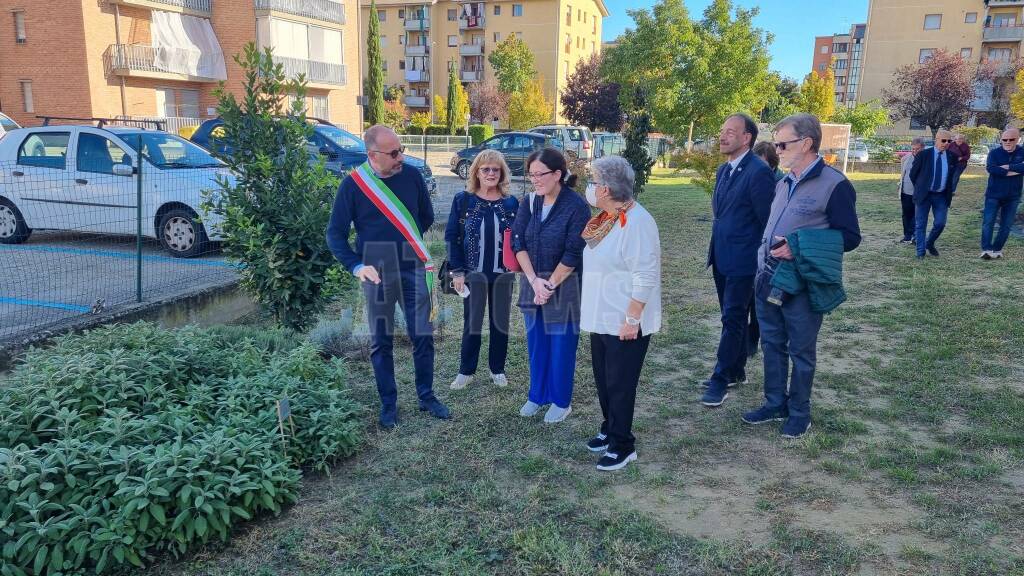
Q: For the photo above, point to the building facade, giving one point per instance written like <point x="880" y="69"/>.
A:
<point x="164" y="58"/>
<point x="902" y="32"/>
<point x="844" y="54"/>
<point x="420" y="40"/>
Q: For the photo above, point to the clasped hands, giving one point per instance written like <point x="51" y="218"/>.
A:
<point x="542" y="290"/>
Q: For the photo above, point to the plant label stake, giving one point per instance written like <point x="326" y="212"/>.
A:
<point x="284" y="412"/>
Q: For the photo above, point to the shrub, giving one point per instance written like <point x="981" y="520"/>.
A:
<point x="703" y="164"/>
<point x="333" y="337"/>
<point x="129" y="441"/>
<point x="437" y="130"/>
<point x="480" y="132"/>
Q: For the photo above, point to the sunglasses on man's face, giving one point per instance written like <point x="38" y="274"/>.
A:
<point x="944" y="141"/>
<point x="1009" y="139"/>
<point x="782" y="145"/>
<point x="394" y="153"/>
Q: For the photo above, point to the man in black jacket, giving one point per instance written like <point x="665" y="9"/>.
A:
<point x="1005" y="167"/>
<point x="932" y="174"/>
<point x="744" y="189"/>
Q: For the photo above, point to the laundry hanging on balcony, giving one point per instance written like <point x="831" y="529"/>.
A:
<point x="473" y="14"/>
<point x="185" y="44"/>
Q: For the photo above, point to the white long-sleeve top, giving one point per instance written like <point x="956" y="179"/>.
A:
<point x="625" y="265"/>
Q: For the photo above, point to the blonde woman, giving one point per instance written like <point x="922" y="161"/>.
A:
<point x="476" y="225"/>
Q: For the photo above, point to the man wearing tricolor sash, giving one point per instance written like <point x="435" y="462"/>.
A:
<point x="389" y="206"/>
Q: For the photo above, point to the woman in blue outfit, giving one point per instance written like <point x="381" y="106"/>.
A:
<point x="476" y="227"/>
<point x="547" y="242"/>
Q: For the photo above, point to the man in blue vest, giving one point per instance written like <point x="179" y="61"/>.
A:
<point x="744" y="188"/>
<point x="932" y="174"/>
<point x="388" y="265"/>
<point x="1005" y="167"/>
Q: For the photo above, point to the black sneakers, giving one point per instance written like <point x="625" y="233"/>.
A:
<point x="613" y="461"/>
<point x="598" y="443"/>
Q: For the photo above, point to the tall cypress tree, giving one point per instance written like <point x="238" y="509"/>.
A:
<point x="451" y="116"/>
<point x="636" y="152"/>
<point x="375" y="74"/>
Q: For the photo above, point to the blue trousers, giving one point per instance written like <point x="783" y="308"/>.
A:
<point x="552" y="351"/>
<point x="734" y="298"/>
<point x="408" y="287"/>
<point x="938" y="203"/>
<point x="789" y="335"/>
<point x="1003" y="210"/>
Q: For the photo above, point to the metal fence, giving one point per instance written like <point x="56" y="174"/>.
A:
<point x="90" y="227"/>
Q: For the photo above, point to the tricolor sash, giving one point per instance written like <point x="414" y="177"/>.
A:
<point x="396" y="212"/>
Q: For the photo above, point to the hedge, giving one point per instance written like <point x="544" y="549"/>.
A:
<point x="130" y="441"/>
<point x="480" y="132"/>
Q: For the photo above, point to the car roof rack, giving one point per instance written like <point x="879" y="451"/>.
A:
<point x="103" y="122"/>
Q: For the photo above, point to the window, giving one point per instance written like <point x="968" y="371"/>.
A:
<point x="452" y="16"/>
<point x="840" y="47"/>
<point x="401" y="13"/>
<point x="171" y="102"/>
<point x="585" y="14"/>
<point x="383" y="41"/>
<point x="497" y="10"/>
<point x="453" y="40"/>
<point x="517" y="9"/>
<point x="46" y="149"/>
<point x="568" y="43"/>
<point x="401" y="39"/>
<point x="26" y="96"/>
<point x="1000" y="54"/>
<point x="319" y="106"/>
<point x="1004" y="20"/>
<point x="965" y="53"/>
<point x="821" y="67"/>
<point x="824" y="49"/>
<point x="566" y="70"/>
<point x="98" y="154"/>
<point x="519" y="35"/>
<point x="401" y="64"/>
<point x="497" y="37"/>
<point x="568" y="15"/>
<point x="932" y="21"/>
<point x="19" y="27"/>
<point x="840" y="80"/>
<point x="382" y="15"/>
<point x="384" y="65"/>
<point x="579" y="15"/>
<point x="840" y="64"/>
<point x="970" y="18"/>
<point x="925" y="55"/>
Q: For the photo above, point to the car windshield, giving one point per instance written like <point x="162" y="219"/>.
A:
<point x="169" y="151"/>
<point x="7" y="124"/>
<point x="343" y="139"/>
<point x="575" y="134"/>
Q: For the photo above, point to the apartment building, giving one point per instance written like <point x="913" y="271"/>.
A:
<point x="420" y="40"/>
<point x="844" y="54"/>
<point x="902" y="32"/>
<point x="164" y="58"/>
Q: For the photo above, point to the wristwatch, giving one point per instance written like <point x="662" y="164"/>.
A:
<point x="632" y="321"/>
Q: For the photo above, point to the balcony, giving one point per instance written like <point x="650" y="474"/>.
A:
<point x="323" y="10"/>
<point x="471" y="75"/>
<point x="471" y="23"/>
<point x="417" y="76"/>
<point x="318" y="74"/>
<point x="471" y="49"/>
<point x="142" y="61"/>
<point x="416" y="102"/>
<point x="191" y="7"/>
<point x="1003" y="34"/>
<point x="417" y="49"/>
<point x="417" y="24"/>
<point x="1000" y="3"/>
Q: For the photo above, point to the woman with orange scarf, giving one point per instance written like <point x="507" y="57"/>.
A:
<point x="620" y="304"/>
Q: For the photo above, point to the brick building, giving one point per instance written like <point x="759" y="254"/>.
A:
<point x="164" y="58"/>
<point x="844" y="54"/>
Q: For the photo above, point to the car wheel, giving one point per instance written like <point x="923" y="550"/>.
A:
<point x="463" y="169"/>
<point x="13" y="229"/>
<point x="182" y="234"/>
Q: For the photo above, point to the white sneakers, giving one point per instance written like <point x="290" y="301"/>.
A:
<point x="529" y="409"/>
<point x="555" y="414"/>
<point x="461" y="381"/>
<point x="991" y="254"/>
<point x="499" y="380"/>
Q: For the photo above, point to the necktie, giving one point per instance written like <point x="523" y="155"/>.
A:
<point x="937" y="179"/>
<point x="721" y="185"/>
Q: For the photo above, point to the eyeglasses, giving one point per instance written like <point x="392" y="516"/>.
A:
<point x="535" y="175"/>
<point x="489" y="170"/>
<point x="394" y="153"/>
<point x="1009" y="139"/>
<point x="782" y="145"/>
<point x="596" y="183"/>
<point x="944" y="141"/>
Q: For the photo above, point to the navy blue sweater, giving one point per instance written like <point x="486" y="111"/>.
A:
<point x="1000" y="185"/>
<point x="378" y="242"/>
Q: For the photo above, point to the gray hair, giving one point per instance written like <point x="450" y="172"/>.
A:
<point x="805" y="126"/>
<point x="615" y="173"/>
<point x="917" y="140"/>
<point x="373" y="133"/>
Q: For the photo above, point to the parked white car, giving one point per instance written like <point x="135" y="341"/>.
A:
<point x="575" y="139"/>
<point x="6" y="124"/>
<point x="84" y="178"/>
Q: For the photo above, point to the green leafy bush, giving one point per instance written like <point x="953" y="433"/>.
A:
<point x="480" y="132"/>
<point x="704" y="165"/>
<point x="130" y="441"/>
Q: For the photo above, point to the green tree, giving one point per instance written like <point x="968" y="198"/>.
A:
<point x="276" y="207"/>
<point x="864" y="118"/>
<point x="396" y="115"/>
<point x="375" y="70"/>
<point x="529" y="107"/>
<point x="440" y="110"/>
<point x="420" y="120"/>
<point x="780" y="102"/>
<point x="817" y="95"/>
<point x="461" y="106"/>
<point x="513" y="63"/>
<point x="695" y="72"/>
<point x="636" y="151"/>
<point x="451" y="113"/>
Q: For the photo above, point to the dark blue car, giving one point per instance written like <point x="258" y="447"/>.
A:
<point x="342" y="151"/>
<point x="516" y="147"/>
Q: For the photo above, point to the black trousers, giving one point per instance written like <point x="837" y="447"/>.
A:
<point x="494" y="292"/>
<point x="617" y="364"/>
<point x="907" y="203"/>
<point x="735" y="295"/>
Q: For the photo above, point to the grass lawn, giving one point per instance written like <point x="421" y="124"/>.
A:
<point x="915" y="464"/>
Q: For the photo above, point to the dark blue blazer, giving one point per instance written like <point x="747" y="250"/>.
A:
<point x="464" y="224"/>
<point x="922" y="171"/>
<point x="740" y="208"/>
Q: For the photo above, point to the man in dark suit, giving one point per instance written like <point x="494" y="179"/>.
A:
<point x="932" y="174"/>
<point x="744" y="190"/>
